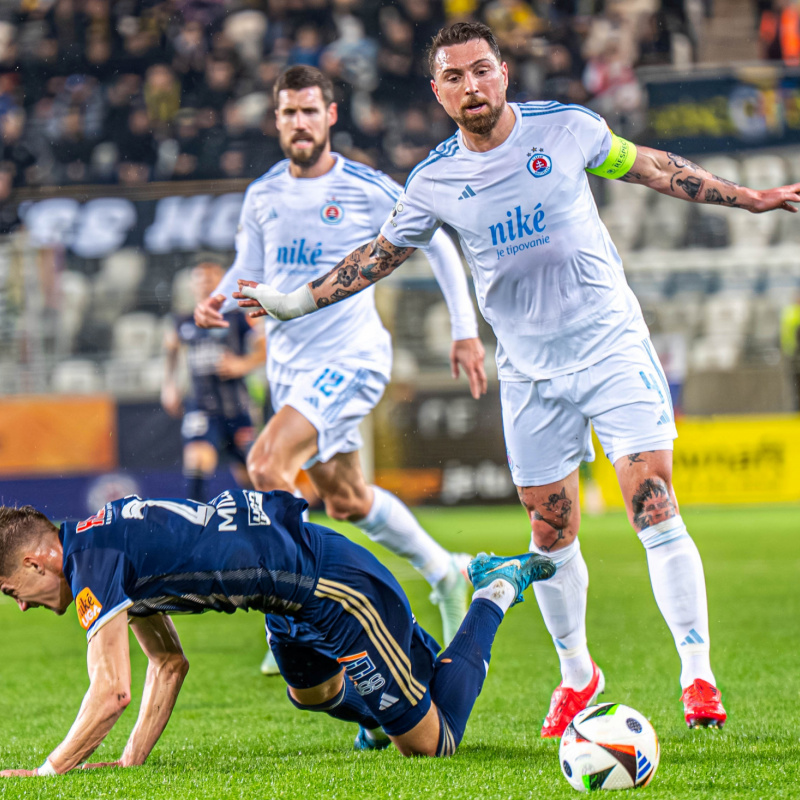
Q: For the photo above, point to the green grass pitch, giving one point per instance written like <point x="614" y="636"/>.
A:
<point x="234" y="734"/>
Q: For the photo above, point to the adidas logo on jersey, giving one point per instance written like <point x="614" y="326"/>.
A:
<point x="467" y="193"/>
<point x="387" y="701"/>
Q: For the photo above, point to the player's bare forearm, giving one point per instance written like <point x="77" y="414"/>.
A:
<point x="166" y="669"/>
<point x="108" y="696"/>
<point x="679" y="177"/>
<point x="363" y="267"/>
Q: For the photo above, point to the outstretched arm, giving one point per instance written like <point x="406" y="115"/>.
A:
<point x="675" y="175"/>
<point x="166" y="668"/>
<point x="108" y="696"/>
<point x="363" y="267"/>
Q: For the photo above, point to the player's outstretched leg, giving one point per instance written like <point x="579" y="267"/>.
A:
<point x="676" y="574"/>
<point x="461" y="669"/>
<point x="391" y="524"/>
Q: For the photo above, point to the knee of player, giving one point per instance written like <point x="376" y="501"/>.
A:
<point x="652" y="501"/>
<point x="267" y="475"/>
<point x="428" y="749"/>
<point x="345" y="506"/>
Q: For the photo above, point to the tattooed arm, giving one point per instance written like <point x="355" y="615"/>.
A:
<point x="674" y="175"/>
<point x="363" y="267"/>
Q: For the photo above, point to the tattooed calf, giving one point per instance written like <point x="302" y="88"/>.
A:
<point x="558" y="533"/>
<point x="651" y="504"/>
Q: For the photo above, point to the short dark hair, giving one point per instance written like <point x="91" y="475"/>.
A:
<point x="303" y="77"/>
<point x="19" y="527"/>
<point x="461" y="33"/>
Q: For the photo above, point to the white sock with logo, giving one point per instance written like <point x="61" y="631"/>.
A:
<point x="562" y="601"/>
<point x="676" y="575"/>
<point x="391" y="524"/>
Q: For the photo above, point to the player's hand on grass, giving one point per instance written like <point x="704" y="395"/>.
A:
<point x="468" y="354"/>
<point x="270" y="302"/>
<point x="207" y="312"/>
<point x="772" y="199"/>
<point x="18" y="773"/>
<point x="102" y="764"/>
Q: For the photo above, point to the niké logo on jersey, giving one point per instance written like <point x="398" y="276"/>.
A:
<point x="300" y="253"/>
<point x="518" y="225"/>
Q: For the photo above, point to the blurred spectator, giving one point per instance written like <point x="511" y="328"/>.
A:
<point x="9" y="219"/>
<point x="72" y="150"/>
<point x="162" y="94"/>
<point x="307" y="47"/>
<point x="779" y="32"/>
<point x="218" y="86"/>
<point x="17" y="155"/>
<point x="137" y="148"/>
<point x="189" y="61"/>
<point x="189" y="146"/>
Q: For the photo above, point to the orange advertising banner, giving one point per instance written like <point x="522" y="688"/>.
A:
<point x="47" y="435"/>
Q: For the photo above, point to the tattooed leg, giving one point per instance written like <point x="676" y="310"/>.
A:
<point x="555" y="516"/>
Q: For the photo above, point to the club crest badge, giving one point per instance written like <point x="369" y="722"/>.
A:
<point x="332" y="213"/>
<point x="540" y="165"/>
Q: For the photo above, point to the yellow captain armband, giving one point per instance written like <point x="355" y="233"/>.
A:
<point x="619" y="161"/>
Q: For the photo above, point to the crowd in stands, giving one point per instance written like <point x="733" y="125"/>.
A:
<point x="132" y="91"/>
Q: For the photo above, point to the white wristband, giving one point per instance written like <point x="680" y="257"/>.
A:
<point x="282" y="306"/>
<point x="46" y="770"/>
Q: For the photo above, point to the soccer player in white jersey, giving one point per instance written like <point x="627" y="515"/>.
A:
<point x="573" y="350"/>
<point x="327" y="373"/>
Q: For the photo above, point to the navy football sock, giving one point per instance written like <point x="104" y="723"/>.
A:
<point x="347" y="706"/>
<point x="461" y="670"/>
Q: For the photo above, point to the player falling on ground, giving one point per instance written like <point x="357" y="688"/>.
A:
<point x="327" y="373"/>
<point x="350" y="646"/>
<point x="216" y="413"/>
<point x="573" y="349"/>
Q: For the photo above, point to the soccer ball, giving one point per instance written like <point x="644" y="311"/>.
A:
<point x="609" y="746"/>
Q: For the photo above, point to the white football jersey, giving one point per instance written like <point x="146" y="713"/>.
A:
<point x="292" y="230"/>
<point x="547" y="275"/>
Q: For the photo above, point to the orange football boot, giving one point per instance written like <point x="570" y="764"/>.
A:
<point x="702" y="705"/>
<point x="566" y="703"/>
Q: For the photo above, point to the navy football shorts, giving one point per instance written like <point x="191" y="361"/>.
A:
<point x="359" y="618"/>
<point x="231" y="435"/>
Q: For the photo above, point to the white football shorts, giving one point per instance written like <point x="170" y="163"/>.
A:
<point x="548" y="423"/>
<point x="334" y="399"/>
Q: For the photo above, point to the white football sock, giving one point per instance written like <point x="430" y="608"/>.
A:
<point x="499" y="592"/>
<point x="562" y="601"/>
<point x="676" y="575"/>
<point x="392" y="525"/>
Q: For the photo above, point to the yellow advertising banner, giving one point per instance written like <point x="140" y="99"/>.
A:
<point x="726" y="460"/>
<point x="47" y="435"/>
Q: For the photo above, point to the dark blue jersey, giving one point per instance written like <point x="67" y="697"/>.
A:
<point x="245" y="549"/>
<point x="204" y="348"/>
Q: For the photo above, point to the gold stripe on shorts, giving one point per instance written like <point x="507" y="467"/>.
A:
<point x="359" y="606"/>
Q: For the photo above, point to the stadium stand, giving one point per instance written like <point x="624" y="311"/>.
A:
<point x="108" y="106"/>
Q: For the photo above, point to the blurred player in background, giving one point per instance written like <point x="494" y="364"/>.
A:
<point x="573" y="349"/>
<point x="327" y="373"/>
<point x="216" y="412"/>
<point x="352" y="650"/>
